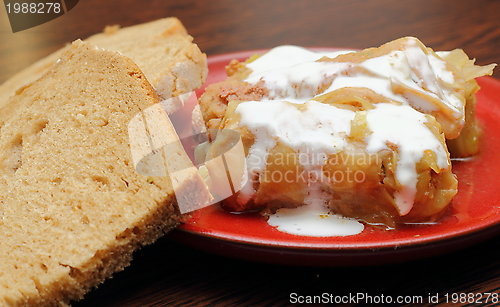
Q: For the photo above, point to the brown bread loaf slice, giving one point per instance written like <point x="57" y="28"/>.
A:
<point x="162" y="49"/>
<point x="72" y="206"/>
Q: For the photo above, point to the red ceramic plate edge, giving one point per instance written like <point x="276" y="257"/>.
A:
<point x="329" y="254"/>
<point x="328" y="257"/>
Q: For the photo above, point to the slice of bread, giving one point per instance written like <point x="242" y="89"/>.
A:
<point x="73" y="208"/>
<point x="162" y="49"/>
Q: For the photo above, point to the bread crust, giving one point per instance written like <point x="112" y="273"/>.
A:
<point x="73" y="206"/>
<point x="162" y="49"/>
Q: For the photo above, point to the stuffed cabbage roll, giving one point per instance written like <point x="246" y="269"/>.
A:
<point x="363" y="132"/>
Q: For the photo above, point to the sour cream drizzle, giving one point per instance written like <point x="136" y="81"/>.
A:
<point x="404" y="127"/>
<point x="293" y="78"/>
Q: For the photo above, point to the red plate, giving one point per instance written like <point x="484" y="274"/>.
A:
<point x="474" y="213"/>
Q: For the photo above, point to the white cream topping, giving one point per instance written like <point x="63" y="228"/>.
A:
<point x="314" y="220"/>
<point x="439" y="67"/>
<point x="287" y="56"/>
<point x="405" y="127"/>
<point x="307" y="79"/>
<point x="317" y="129"/>
<point x="292" y="77"/>
<point x="282" y="66"/>
<point x="433" y="69"/>
<point x="313" y="133"/>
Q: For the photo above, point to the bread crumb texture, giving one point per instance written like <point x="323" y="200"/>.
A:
<point x="72" y="206"/>
<point x="162" y="49"/>
<point x="172" y="63"/>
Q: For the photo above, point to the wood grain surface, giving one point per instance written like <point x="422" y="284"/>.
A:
<point x="170" y="274"/>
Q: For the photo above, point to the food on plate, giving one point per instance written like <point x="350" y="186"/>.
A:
<point x="360" y="134"/>
<point x="73" y="207"/>
<point x="162" y="49"/>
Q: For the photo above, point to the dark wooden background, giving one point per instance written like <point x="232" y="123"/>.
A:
<point x="227" y="26"/>
<point x="167" y="273"/>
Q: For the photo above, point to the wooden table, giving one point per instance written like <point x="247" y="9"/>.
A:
<point x="168" y="273"/>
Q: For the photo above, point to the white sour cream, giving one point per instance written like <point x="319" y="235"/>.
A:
<point x="404" y="127"/>
<point x="293" y="77"/>
<point x="307" y="221"/>
<point x="314" y="219"/>
<point x="287" y="56"/>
